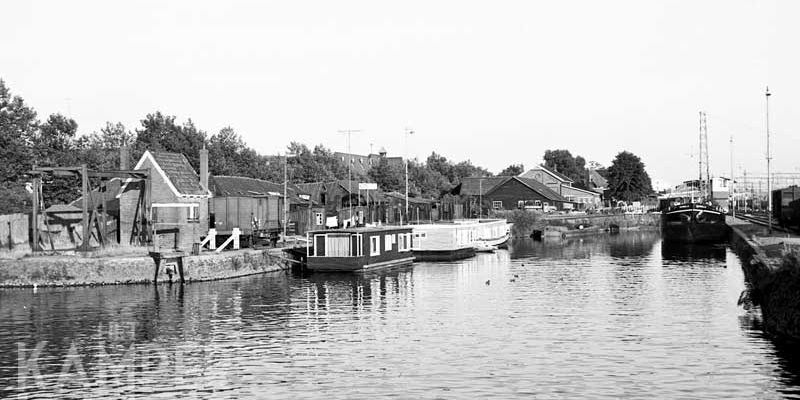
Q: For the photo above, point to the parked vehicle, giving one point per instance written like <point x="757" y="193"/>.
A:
<point x="786" y="206"/>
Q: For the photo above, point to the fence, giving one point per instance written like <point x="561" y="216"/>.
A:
<point x="14" y="229"/>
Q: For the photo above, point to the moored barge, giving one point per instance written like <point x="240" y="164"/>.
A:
<point x="357" y="249"/>
<point x="694" y="223"/>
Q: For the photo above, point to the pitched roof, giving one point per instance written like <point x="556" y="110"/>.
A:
<point x="561" y="177"/>
<point x="543" y="189"/>
<point x="222" y="185"/>
<point x="176" y="171"/>
<point x="596" y="179"/>
<point x="347" y="185"/>
<point x="536" y="186"/>
<point x="313" y="189"/>
<point x="411" y="200"/>
<point x="479" y="185"/>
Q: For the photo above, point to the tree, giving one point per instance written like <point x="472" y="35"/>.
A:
<point x="100" y="151"/>
<point x="512" y="170"/>
<point x="18" y="126"/>
<point x="627" y="178"/>
<point x="389" y="177"/>
<point x="563" y="162"/>
<point x="229" y="155"/>
<point x="426" y="182"/>
<point x="161" y="133"/>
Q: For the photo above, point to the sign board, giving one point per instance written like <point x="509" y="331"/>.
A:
<point x="367" y="186"/>
<point x="305" y="197"/>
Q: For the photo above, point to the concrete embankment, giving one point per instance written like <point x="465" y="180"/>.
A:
<point x="526" y="222"/>
<point x="76" y="270"/>
<point x="771" y="265"/>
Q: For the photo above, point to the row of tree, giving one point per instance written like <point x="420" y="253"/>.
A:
<point x="25" y="141"/>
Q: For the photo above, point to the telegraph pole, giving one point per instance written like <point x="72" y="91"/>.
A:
<point x="769" y="178"/>
<point x="349" y="132"/>
<point x="407" y="132"/>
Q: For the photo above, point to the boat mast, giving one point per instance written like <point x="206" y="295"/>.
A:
<point x="703" y="184"/>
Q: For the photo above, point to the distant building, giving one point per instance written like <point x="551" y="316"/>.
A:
<point x="362" y="164"/>
<point x="509" y="192"/>
<point x="563" y="185"/>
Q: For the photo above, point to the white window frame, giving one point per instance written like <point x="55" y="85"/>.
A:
<point x="497" y="205"/>
<point x="404" y="243"/>
<point x="375" y="245"/>
<point x="318" y="217"/>
<point x="388" y="241"/>
<point x="520" y="203"/>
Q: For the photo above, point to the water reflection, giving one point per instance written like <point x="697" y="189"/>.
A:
<point x="673" y="251"/>
<point x="604" y="316"/>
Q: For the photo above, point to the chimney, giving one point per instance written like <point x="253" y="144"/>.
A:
<point x="204" y="167"/>
<point x="124" y="160"/>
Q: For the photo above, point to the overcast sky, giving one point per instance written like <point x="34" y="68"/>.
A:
<point x="493" y="82"/>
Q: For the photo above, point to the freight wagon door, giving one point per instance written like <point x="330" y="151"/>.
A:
<point x="272" y="213"/>
<point x="231" y="213"/>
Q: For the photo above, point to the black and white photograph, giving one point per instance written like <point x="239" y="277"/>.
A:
<point x="421" y="199"/>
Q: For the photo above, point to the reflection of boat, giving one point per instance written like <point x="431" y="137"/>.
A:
<point x="694" y="223"/>
<point x="484" y="248"/>
<point x="672" y="250"/>
<point x="359" y="248"/>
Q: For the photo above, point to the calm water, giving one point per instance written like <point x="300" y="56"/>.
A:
<point x="607" y="317"/>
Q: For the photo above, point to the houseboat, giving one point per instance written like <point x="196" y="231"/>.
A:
<point x="356" y="249"/>
<point x="492" y="233"/>
<point x="443" y="241"/>
<point x="694" y="223"/>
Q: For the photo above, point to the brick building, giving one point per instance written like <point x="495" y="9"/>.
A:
<point x="509" y="192"/>
<point x="178" y="199"/>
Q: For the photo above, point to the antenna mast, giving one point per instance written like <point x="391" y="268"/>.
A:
<point x="705" y="184"/>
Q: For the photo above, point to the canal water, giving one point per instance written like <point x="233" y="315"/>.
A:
<point x="600" y="317"/>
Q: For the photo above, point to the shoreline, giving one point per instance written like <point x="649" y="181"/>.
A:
<point x="62" y="271"/>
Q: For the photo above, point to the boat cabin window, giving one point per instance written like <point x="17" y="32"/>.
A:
<point x="388" y="241"/>
<point x="404" y="242"/>
<point x="374" y="245"/>
<point x="337" y="246"/>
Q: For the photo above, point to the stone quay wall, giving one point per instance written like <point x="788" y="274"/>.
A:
<point x="773" y="279"/>
<point x="77" y="270"/>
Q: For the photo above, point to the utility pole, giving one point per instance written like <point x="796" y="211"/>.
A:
<point x="769" y="178"/>
<point x="732" y="187"/>
<point x="349" y="132"/>
<point x="405" y="145"/>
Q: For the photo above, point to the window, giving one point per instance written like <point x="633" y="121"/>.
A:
<point x="337" y="245"/>
<point x="497" y="205"/>
<point x="318" y="218"/>
<point x="537" y="203"/>
<point x="374" y="245"/>
<point x="192" y="214"/>
<point x="388" y="241"/>
<point x="521" y="204"/>
<point x="404" y="242"/>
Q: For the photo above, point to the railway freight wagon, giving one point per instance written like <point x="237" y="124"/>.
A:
<point x="257" y="217"/>
<point x="786" y="206"/>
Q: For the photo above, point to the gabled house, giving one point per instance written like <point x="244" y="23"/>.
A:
<point x="564" y="186"/>
<point x="178" y="200"/>
<point x="509" y="192"/>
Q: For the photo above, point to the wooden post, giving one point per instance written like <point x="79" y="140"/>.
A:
<point x="85" y="214"/>
<point x="35" y="215"/>
<point x="103" y="188"/>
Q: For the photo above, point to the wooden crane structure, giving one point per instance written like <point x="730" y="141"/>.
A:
<point x="94" y="214"/>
